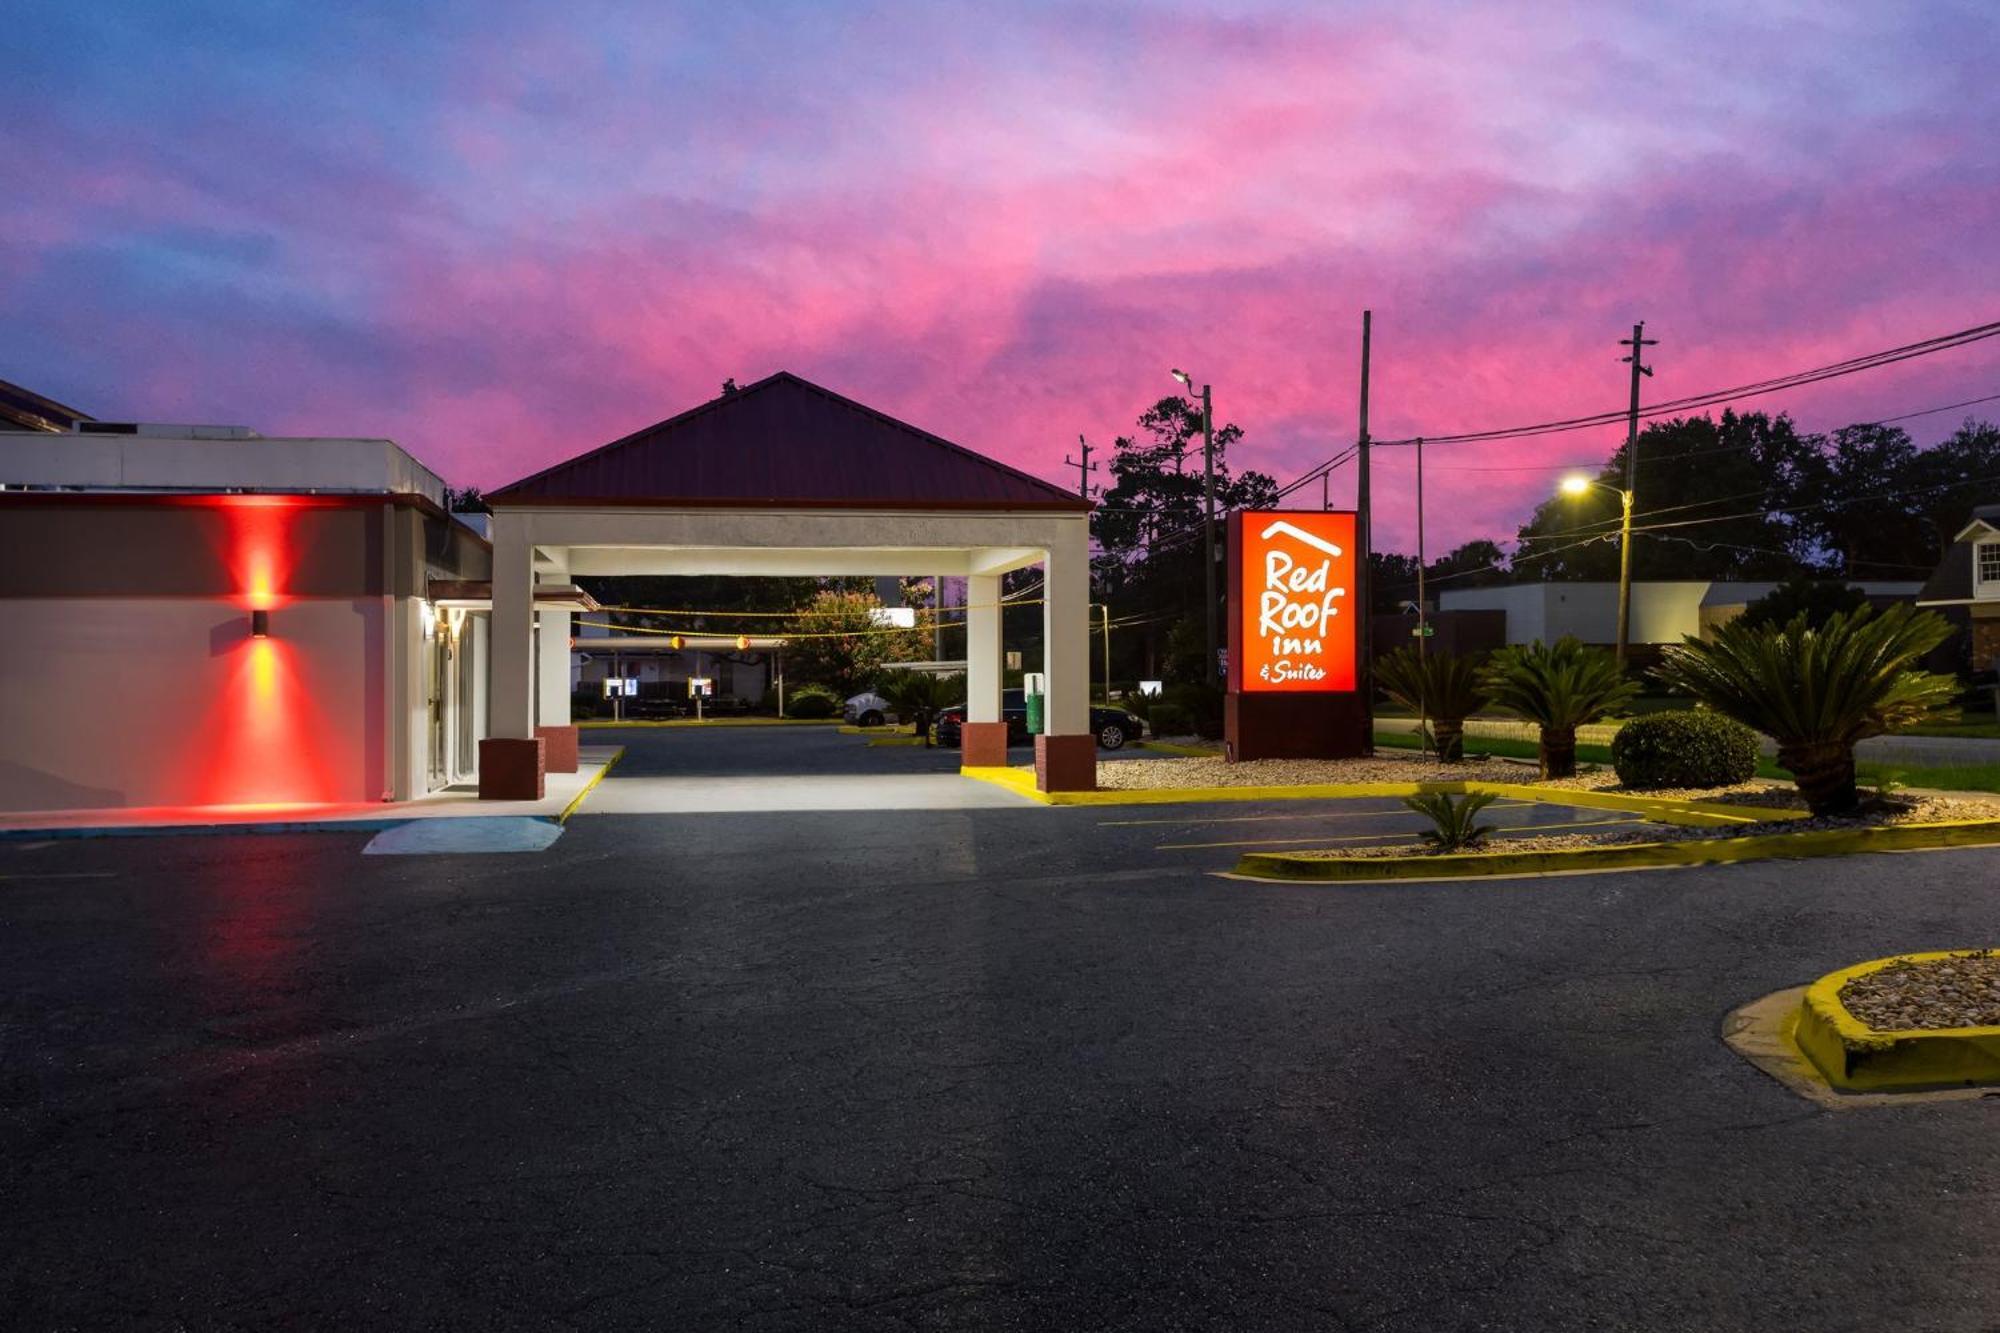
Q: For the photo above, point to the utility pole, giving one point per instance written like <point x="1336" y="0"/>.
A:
<point x="1084" y="467"/>
<point x="1208" y="521"/>
<point x="1363" y="583"/>
<point x="1423" y="646"/>
<point x="1423" y="637"/>
<point x="1637" y="342"/>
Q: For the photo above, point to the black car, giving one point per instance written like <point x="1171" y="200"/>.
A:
<point x="1112" y="726"/>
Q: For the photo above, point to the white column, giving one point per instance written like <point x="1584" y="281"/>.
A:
<point x="552" y="668"/>
<point x="983" y="653"/>
<point x="512" y="702"/>
<point x="1066" y="633"/>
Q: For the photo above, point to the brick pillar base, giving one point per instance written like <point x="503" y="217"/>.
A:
<point x="510" y="769"/>
<point x="559" y="748"/>
<point x="982" y="744"/>
<point x="1066" y="763"/>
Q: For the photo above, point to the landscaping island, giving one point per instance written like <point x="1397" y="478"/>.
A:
<point x="1908" y="1023"/>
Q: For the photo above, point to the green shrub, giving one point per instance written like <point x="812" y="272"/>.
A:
<point x="1169" y="720"/>
<point x="1202" y="704"/>
<point x="811" y="701"/>
<point x="1685" y="748"/>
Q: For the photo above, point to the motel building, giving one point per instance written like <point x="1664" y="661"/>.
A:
<point x="209" y="617"/>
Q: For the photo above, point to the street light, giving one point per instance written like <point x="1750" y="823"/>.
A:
<point x="1208" y="506"/>
<point x="1579" y="485"/>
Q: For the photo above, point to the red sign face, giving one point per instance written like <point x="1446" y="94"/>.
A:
<point x="1294" y="602"/>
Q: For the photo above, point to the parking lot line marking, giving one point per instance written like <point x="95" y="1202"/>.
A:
<point x="1323" y="814"/>
<point x="1364" y="837"/>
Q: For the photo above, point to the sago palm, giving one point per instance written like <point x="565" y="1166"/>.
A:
<point x="919" y="695"/>
<point x="1816" y="692"/>
<point x="1455" y="825"/>
<point x="1443" y="687"/>
<point x="1559" y="689"/>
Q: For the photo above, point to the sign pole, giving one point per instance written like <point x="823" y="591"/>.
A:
<point x="1423" y="644"/>
<point x="1364" y="581"/>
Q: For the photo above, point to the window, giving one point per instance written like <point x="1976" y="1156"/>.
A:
<point x="1986" y="561"/>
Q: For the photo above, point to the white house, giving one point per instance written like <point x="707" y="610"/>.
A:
<point x="1662" y="611"/>
<point x="1969" y="576"/>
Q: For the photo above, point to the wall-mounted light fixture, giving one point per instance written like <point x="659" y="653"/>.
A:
<point x="260" y="624"/>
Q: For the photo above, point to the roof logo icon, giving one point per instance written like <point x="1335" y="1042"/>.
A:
<point x="1302" y="535"/>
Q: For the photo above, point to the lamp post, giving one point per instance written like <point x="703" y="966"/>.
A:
<point x="1574" y="486"/>
<point x="1208" y="507"/>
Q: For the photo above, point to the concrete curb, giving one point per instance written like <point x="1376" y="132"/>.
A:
<point x="368" y="825"/>
<point x="1857" y="1058"/>
<point x="1185" y="751"/>
<point x="202" y="830"/>
<point x="590" y="786"/>
<point x="1699" y="851"/>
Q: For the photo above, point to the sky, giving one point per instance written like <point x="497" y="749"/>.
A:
<point x="502" y="233"/>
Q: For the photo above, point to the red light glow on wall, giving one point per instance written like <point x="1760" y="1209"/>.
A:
<point x="260" y="743"/>
<point x="258" y="548"/>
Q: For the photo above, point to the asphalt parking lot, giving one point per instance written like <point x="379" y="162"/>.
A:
<point x="995" y="1067"/>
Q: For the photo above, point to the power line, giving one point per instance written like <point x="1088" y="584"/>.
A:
<point x="1853" y="365"/>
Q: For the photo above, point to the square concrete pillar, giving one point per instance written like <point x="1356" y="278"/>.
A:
<point x="511" y="700"/>
<point x="1066" y="756"/>
<point x="552" y="690"/>
<point x="982" y="745"/>
<point x="982" y="740"/>
<point x="1066" y="763"/>
<point x="984" y="656"/>
<point x="511" y="769"/>
<point x="559" y="749"/>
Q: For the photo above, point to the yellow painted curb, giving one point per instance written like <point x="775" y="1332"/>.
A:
<point x="590" y="786"/>
<point x="609" y="724"/>
<point x="1858" y="1058"/>
<point x="1696" y="851"/>
<point x="1020" y="781"/>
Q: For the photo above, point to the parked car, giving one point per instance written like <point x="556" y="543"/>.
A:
<point x="867" y="709"/>
<point x="1112" y="726"/>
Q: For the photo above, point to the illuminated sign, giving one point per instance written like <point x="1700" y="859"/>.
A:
<point x="1293" y="605"/>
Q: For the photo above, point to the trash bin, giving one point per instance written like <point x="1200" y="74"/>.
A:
<point x="1034" y="692"/>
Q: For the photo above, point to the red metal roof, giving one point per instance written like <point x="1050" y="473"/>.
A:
<point x="787" y="442"/>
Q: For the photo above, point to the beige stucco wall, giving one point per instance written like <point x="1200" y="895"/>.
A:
<point x="129" y="677"/>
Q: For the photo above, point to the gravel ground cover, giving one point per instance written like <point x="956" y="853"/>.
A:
<point x="1915" y="810"/>
<point x="1385" y="766"/>
<point x="1936" y="993"/>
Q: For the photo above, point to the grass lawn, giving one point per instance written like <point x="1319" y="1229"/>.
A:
<point x="1946" y="777"/>
<point x="1976" y="726"/>
<point x="1494" y="745"/>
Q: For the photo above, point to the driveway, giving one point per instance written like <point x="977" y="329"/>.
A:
<point x="685" y="770"/>
<point x="958" y="1068"/>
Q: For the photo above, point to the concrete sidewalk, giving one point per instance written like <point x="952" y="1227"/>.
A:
<point x="560" y="791"/>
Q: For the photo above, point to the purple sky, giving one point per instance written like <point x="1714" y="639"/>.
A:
<point x="505" y="233"/>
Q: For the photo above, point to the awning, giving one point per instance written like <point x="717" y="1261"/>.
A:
<point x="477" y="595"/>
